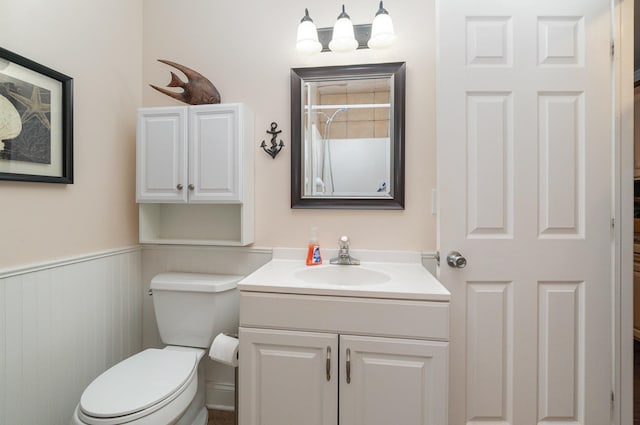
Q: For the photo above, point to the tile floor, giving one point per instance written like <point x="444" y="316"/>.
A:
<point x="220" y="417"/>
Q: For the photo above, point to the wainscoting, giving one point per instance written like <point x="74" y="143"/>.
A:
<point x="62" y="324"/>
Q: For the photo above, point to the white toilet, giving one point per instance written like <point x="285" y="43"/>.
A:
<point x="166" y="387"/>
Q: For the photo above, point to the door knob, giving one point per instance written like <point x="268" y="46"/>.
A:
<point x="456" y="260"/>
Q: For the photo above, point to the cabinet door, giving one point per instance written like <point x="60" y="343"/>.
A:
<point x="283" y="378"/>
<point x="392" y="381"/>
<point x="215" y="153"/>
<point x="161" y="172"/>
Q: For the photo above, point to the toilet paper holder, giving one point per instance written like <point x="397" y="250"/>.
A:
<point x="235" y="386"/>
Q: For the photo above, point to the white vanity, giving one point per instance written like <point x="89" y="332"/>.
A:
<point x="333" y="344"/>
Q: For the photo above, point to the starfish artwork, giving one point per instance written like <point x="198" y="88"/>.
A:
<point x="33" y="106"/>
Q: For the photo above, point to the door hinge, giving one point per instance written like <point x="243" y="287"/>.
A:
<point x="613" y="222"/>
<point x="613" y="49"/>
<point x="613" y="401"/>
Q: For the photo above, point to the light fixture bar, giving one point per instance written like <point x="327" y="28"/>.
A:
<point x="362" y="34"/>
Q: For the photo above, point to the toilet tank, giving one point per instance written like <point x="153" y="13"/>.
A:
<point x="192" y="308"/>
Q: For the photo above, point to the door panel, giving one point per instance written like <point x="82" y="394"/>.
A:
<point x="489" y="360"/>
<point x="561" y="355"/>
<point x="524" y="183"/>
<point x="490" y="169"/>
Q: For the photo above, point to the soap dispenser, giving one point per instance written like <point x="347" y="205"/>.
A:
<point x="313" y="252"/>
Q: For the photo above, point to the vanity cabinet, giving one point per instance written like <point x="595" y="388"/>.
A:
<point x="323" y="360"/>
<point x="194" y="180"/>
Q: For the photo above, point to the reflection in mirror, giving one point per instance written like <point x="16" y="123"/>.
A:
<point x="344" y="119"/>
<point x="347" y="136"/>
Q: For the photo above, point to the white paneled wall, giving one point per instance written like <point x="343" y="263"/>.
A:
<point x="61" y="325"/>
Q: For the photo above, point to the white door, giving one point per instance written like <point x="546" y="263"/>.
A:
<point x="215" y="150"/>
<point x="524" y="182"/>
<point x="285" y="380"/>
<point x="161" y="157"/>
<point x="392" y="381"/>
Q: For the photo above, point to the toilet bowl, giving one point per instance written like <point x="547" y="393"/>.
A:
<point x="166" y="386"/>
<point x="151" y="387"/>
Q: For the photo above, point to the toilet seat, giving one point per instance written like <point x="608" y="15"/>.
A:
<point x="139" y="386"/>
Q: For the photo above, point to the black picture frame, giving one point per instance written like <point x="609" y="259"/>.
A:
<point x="298" y="75"/>
<point x="42" y="150"/>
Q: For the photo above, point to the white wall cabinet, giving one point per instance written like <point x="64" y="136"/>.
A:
<point x="316" y="370"/>
<point x="194" y="180"/>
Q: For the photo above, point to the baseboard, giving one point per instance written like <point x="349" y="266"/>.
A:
<point x="220" y="396"/>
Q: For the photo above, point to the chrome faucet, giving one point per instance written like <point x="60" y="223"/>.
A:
<point x="344" y="258"/>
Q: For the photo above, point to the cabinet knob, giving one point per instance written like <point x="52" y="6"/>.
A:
<point x="191" y="186"/>
<point x="179" y="186"/>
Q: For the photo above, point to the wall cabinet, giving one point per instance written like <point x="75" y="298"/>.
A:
<point x="326" y="375"/>
<point x="194" y="180"/>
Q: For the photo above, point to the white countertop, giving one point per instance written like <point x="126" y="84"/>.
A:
<point x="407" y="278"/>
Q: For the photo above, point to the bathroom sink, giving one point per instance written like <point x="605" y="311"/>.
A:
<point x="342" y="275"/>
<point x="381" y="275"/>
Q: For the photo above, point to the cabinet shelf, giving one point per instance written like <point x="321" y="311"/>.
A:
<point x="202" y="224"/>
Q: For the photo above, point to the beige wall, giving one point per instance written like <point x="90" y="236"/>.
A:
<point x="99" y="44"/>
<point x="246" y="49"/>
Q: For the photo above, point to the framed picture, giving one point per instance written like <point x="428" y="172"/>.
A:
<point x="36" y="122"/>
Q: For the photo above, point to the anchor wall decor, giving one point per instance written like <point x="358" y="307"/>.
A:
<point x="275" y="148"/>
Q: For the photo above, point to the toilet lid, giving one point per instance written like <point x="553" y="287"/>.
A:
<point x="138" y="383"/>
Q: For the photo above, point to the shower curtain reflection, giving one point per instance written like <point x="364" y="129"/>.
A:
<point x="344" y="167"/>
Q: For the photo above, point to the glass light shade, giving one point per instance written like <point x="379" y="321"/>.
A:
<point x="382" y="34"/>
<point x="307" y="40"/>
<point x="343" y="40"/>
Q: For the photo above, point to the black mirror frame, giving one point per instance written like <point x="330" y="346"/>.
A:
<point x="395" y="69"/>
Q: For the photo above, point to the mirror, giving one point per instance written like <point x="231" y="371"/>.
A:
<point x="347" y="136"/>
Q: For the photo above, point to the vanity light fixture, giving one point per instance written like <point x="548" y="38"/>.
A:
<point x="345" y="37"/>
<point x="382" y="34"/>
<point x="307" y="41"/>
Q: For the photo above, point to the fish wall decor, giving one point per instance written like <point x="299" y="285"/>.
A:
<point x="198" y="90"/>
